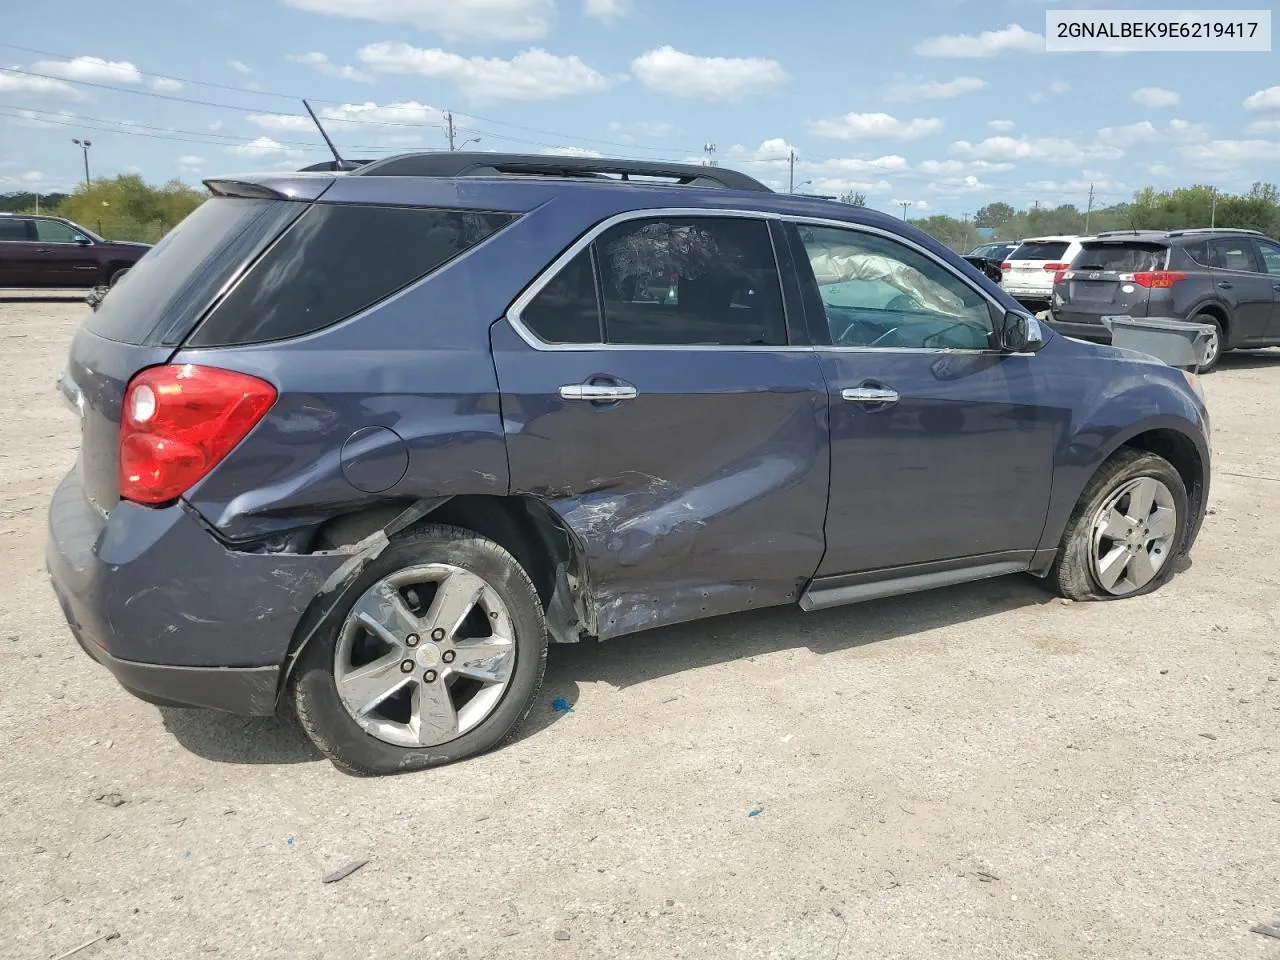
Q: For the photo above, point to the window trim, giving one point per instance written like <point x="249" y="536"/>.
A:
<point x="551" y="271"/>
<point x="929" y="254"/>
<point x="1250" y="244"/>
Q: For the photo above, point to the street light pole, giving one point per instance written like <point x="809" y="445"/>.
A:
<point x="84" y="145"/>
<point x="905" y="204"/>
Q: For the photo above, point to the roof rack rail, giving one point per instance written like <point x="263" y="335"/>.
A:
<point x="446" y="163"/>
<point x="1186" y="230"/>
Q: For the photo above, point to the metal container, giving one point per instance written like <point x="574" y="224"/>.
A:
<point x="1176" y="342"/>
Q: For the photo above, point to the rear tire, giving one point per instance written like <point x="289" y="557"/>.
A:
<point x="447" y="673"/>
<point x="1126" y="531"/>
<point x="1216" y="346"/>
<point x="117" y="276"/>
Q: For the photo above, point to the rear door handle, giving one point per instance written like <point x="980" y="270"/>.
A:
<point x="1224" y="284"/>
<point x="599" y="392"/>
<point x="870" y="395"/>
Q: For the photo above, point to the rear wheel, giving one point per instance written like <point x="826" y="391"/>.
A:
<point x="1214" y="348"/>
<point x="1126" y="530"/>
<point x="116" y="276"/>
<point x="438" y="657"/>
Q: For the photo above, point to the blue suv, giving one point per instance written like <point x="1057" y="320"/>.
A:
<point x="366" y="442"/>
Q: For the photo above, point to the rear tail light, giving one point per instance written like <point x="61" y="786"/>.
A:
<point x="1063" y="275"/>
<point x="1006" y="265"/>
<point x="178" y="422"/>
<point x="1157" y="279"/>
<point x="1054" y="267"/>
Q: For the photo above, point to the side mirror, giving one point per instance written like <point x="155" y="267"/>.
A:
<point x="1020" y="333"/>
<point x="84" y="241"/>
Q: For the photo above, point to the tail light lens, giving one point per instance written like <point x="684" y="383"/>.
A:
<point x="1006" y="265"/>
<point x="1063" y="275"/>
<point x="1055" y="267"/>
<point x="1155" y="279"/>
<point x="178" y="422"/>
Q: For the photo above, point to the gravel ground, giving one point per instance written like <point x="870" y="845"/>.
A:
<point x="977" y="772"/>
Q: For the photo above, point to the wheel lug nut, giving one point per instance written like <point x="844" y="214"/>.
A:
<point x="412" y="639"/>
<point x="448" y="656"/>
<point x="437" y="634"/>
<point x="406" y="666"/>
<point x="429" y="676"/>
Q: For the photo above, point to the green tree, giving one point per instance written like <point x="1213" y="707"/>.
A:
<point x="854" y="197"/>
<point x="127" y="208"/>
<point x="994" y="215"/>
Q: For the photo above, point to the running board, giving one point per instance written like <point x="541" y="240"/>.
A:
<point x="835" y="591"/>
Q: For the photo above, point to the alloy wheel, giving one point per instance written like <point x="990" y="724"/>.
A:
<point x="1133" y="535"/>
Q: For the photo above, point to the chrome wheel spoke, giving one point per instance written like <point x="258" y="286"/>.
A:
<point x="1111" y="566"/>
<point x="1115" y="525"/>
<point x="433" y="718"/>
<point x="365" y="687"/>
<point x="489" y="659"/>
<point x="1142" y="498"/>
<point x="1163" y="523"/>
<point x="383" y="612"/>
<point x="1140" y="569"/>
<point x="455" y="597"/>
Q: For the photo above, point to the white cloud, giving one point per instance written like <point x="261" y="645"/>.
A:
<point x="239" y="67"/>
<point x="1183" y="130"/>
<point x="1047" y="149"/>
<point x="1263" y="126"/>
<point x="190" y="162"/>
<point x="954" y="186"/>
<point x="1126" y="136"/>
<point x="531" y="75"/>
<point x="1001" y="125"/>
<point x="989" y="43"/>
<point x="856" y="165"/>
<point x="643" y="128"/>
<point x="402" y="111"/>
<point x="1155" y="97"/>
<point x="935" y="167"/>
<point x="32" y="177"/>
<point x="165" y="85"/>
<point x="451" y="19"/>
<point x="92" y="69"/>
<point x="1059" y="87"/>
<point x="321" y="64"/>
<point x="775" y="149"/>
<point x="908" y="91"/>
<point x="571" y="152"/>
<point x="264" y="147"/>
<point x="20" y="83"/>
<point x="838" y="185"/>
<point x="1159" y="169"/>
<point x="280" y="121"/>
<point x="216" y="125"/>
<point x="1076" y="186"/>
<point x="729" y="79"/>
<point x="606" y="11"/>
<point x="1268" y="99"/>
<point x="874" y="126"/>
<point x="377" y="119"/>
<point x="1232" y="154"/>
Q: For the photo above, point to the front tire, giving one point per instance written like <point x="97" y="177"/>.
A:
<point x="1129" y="526"/>
<point x="437" y="655"/>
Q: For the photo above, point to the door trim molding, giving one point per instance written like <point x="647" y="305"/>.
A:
<point x="834" y="591"/>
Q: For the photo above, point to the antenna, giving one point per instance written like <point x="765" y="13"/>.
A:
<point x="338" y="162"/>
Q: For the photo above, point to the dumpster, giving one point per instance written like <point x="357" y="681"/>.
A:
<point x="1176" y="342"/>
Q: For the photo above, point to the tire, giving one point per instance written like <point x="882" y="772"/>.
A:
<point x="1077" y="573"/>
<point x="1217" y="348"/>
<point x="484" y="712"/>
<point x="116" y="276"/>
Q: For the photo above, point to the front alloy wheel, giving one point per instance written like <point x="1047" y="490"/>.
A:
<point x="1133" y="535"/>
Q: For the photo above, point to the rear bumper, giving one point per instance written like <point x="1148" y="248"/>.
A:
<point x="155" y="597"/>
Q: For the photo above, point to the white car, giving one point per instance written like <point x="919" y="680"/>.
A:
<point x="1029" y="270"/>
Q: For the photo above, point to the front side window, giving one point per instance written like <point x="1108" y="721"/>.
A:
<point x="55" y="231"/>
<point x="697" y="280"/>
<point x="1270" y="256"/>
<point x="881" y="293"/>
<point x="1233" y="255"/>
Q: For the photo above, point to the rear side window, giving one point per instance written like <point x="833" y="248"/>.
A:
<point x="12" y="229"/>
<point x="1048" y="250"/>
<point x="566" y="310"/>
<point x="1235" y="254"/>
<point x="165" y="292"/>
<point x="1121" y="257"/>
<point x="335" y="261"/>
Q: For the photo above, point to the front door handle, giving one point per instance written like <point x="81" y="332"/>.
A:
<point x="1224" y="284"/>
<point x="599" y="392"/>
<point x="870" y="395"/>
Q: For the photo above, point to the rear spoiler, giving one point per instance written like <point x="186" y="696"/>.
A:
<point x="271" y="186"/>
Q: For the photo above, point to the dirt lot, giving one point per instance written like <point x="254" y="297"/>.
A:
<point x="1111" y="767"/>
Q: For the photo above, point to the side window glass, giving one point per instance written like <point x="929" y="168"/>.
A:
<point x="566" y="309"/>
<point x="880" y="293"/>
<point x="1270" y="256"/>
<point x="1234" y="255"/>
<point x="51" y="231"/>
<point x="1199" y="252"/>
<point x="697" y="280"/>
<point x="12" y="228"/>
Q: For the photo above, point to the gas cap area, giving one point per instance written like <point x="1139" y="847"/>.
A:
<point x="374" y="459"/>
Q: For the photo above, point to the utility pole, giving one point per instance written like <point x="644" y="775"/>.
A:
<point x="84" y="145"/>
<point x="709" y="149"/>
<point x="1213" y="209"/>
<point x="791" y="180"/>
<point x="448" y="130"/>
<point x="1088" y="210"/>
<point x="905" y="204"/>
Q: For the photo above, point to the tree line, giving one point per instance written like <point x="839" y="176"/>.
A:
<point x="118" y="208"/>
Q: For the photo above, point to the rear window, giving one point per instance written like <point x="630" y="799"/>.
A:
<point x="1121" y="257"/>
<point x="1048" y="250"/>
<point x="337" y="260"/>
<point x="11" y="229"/>
<point x="162" y="296"/>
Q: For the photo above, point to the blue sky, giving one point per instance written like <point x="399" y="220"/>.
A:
<point x="949" y="104"/>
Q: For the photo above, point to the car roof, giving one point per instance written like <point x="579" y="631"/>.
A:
<point x="1054" y="238"/>
<point x="1194" y="232"/>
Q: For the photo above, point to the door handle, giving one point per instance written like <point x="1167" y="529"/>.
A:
<point x="599" y="392"/>
<point x="871" y="395"/>
<point x="1224" y="284"/>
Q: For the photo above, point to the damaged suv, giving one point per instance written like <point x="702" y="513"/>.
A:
<point x="365" y="443"/>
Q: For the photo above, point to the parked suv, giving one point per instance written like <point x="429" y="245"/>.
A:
<point x="1227" y="279"/>
<point x="54" y="252"/>
<point x="1029" y="270"/>
<point x="366" y="442"/>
